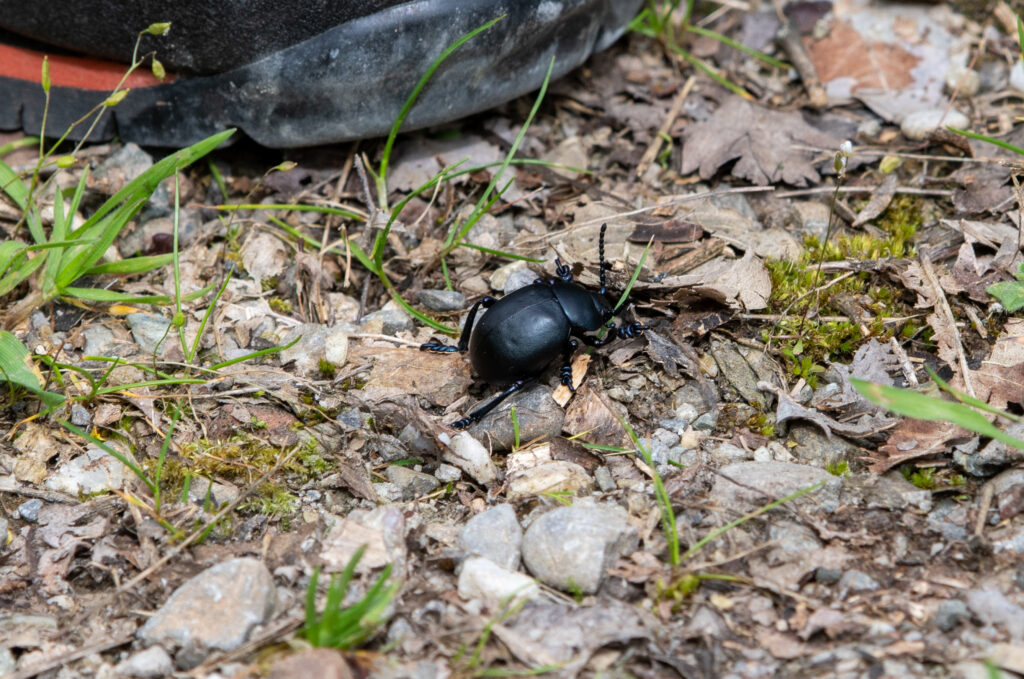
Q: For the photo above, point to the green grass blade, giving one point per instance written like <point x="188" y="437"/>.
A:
<point x="923" y="407"/>
<point x="145" y="184"/>
<point x="483" y="201"/>
<point x="411" y="101"/>
<point x="132" y="265"/>
<point x="968" y="399"/>
<point x="298" y="207"/>
<point x="15" y="360"/>
<point x="114" y="297"/>
<point x="771" y="61"/>
<point x="991" y="140"/>
<point x="501" y="253"/>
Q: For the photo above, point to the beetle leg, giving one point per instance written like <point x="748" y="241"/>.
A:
<point x="566" y="372"/>
<point x="479" y="413"/>
<point x="627" y="330"/>
<point x="463" y="345"/>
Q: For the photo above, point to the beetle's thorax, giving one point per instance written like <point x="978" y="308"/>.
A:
<point x="585" y="309"/>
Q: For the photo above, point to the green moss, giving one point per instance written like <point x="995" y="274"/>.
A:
<point x="280" y="305"/>
<point x="838" y="468"/>
<point x="326" y="369"/>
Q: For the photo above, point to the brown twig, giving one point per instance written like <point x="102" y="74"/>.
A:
<point x="655" y="147"/>
<point x="942" y="307"/>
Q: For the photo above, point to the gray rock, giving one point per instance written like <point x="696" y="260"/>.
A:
<point x="481" y="578"/>
<point x="214" y="611"/>
<point x="494" y="534"/>
<point x="917" y="125"/>
<point x="446" y="473"/>
<point x="747" y="485"/>
<point x="994" y="457"/>
<point x="501" y="275"/>
<point x="519" y="278"/>
<point x="390" y="320"/>
<point x="727" y="453"/>
<point x="950" y="614"/>
<point x="93" y="471"/>
<point x="538" y="415"/>
<point x="410" y="482"/>
<point x="740" y="372"/>
<point x="201" y="489"/>
<point x="890" y="491"/>
<point x="857" y="581"/>
<point x="387" y="492"/>
<point x="813" y="446"/>
<point x="604" y="479"/>
<point x="827" y="576"/>
<point x="992" y="607"/>
<point x="469" y="455"/>
<point x="80" y="416"/>
<point x="99" y="341"/>
<point x="571" y="548"/>
<point x="29" y="510"/>
<point x="152" y="662"/>
<point x="8" y="665"/>
<point x="706" y="422"/>
<point x="556" y="476"/>
<point x="149" y="331"/>
<point x="442" y="300"/>
<point x="312" y="348"/>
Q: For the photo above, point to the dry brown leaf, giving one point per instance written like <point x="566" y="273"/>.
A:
<point x="398" y="371"/>
<point x="591" y="413"/>
<point x="912" y="439"/>
<point x="762" y="141"/>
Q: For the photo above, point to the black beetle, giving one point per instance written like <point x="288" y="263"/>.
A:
<point x="523" y="332"/>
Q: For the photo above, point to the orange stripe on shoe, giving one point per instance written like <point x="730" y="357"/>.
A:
<point x="77" y="72"/>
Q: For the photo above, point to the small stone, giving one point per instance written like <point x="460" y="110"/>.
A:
<point x="950" y="614"/>
<point x="686" y="412"/>
<point x="99" y="341"/>
<point x="411" y="483"/>
<point x="80" y="416"/>
<point x="494" y="534"/>
<point x="192" y="621"/>
<point x="445" y="473"/>
<point x="150" y="331"/>
<point x="322" y="663"/>
<point x="336" y="347"/>
<point x="857" y="581"/>
<point x="152" y="662"/>
<point x="481" y="578"/>
<point x="93" y="471"/>
<point x="469" y="455"/>
<point x="706" y="422"/>
<point x="919" y="124"/>
<point x="201" y="490"/>
<point x="502" y="273"/>
<point x="558" y="476"/>
<point x="571" y="548"/>
<point x="827" y="576"/>
<point x="442" y="300"/>
<point x="538" y="415"/>
<point x="519" y="278"/>
<point x="1017" y="77"/>
<point x="387" y="492"/>
<point x="962" y="80"/>
<point x="29" y="511"/>
<point x="382" y="531"/>
<point x="310" y="351"/>
<point x="389" y="320"/>
<point x="727" y="453"/>
<point x="604" y="479"/>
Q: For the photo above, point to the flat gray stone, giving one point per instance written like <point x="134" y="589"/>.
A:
<point x="571" y="548"/>
<point x="214" y="611"/>
<point x="150" y="663"/>
<point x="149" y="331"/>
<point x="442" y="300"/>
<point x="538" y="415"/>
<point x="744" y="486"/>
<point x="481" y="578"/>
<point x="494" y="534"/>
<point x="410" y="482"/>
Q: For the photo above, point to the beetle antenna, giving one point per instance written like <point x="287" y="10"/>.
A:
<point x="600" y="252"/>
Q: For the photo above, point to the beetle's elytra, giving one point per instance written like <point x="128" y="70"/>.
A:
<point x="523" y="332"/>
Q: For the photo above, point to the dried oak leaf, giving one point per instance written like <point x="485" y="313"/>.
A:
<point x="769" y="146"/>
<point x="912" y="439"/>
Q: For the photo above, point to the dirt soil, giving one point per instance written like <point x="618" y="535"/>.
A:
<point x="818" y="534"/>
